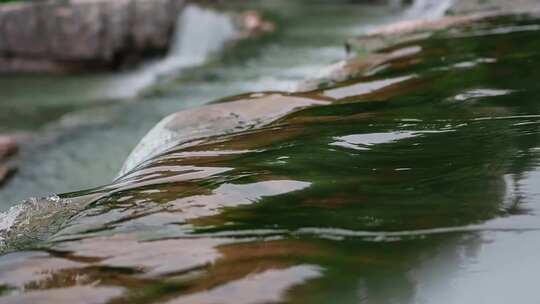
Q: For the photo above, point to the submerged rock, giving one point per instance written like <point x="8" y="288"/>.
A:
<point x="246" y="112"/>
<point x="382" y="44"/>
<point x="470" y="6"/>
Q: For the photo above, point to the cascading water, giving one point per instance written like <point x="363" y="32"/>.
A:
<point x="413" y="11"/>
<point x="199" y="33"/>
<point x="429" y="9"/>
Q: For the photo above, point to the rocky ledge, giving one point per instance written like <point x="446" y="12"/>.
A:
<point x="70" y="35"/>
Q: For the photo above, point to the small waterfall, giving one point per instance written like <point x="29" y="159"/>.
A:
<point x="199" y="33"/>
<point x="409" y="11"/>
<point x="429" y="9"/>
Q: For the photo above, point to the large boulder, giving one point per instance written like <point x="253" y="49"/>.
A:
<point x="65" y="35"/>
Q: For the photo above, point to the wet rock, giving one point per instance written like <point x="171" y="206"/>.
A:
<point x="358" y="65"/>
<point x="405" y="31"/>
<point x="245" y="112"/>
<point x="8" y="146"/>
<point x="253" y="24"/>
<point x="368" y="52"/>
<point x="59" y="36"/>
<point x="461" y="13"/>
<point x="468" y="6"/>
<point x="5" y="172"/>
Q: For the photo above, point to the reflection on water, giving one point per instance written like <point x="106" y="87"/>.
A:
<point x="362" y="141"/>
<point x="390" y="194"/>
<point x="266" y="287"/>
<point x="363" y="87"/>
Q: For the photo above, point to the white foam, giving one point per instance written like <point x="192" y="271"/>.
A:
<point x="7" y="219"/>
<point x="32" y="217"/>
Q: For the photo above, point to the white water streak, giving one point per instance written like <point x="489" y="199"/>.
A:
<point x="200" y="32"/>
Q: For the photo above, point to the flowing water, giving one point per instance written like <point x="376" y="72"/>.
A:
<point x="87" y="129"/>
<point x="418" y="183"/>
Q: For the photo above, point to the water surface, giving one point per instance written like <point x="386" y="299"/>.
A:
<point x="87" y="124"/>
<point x="422" y="190"/>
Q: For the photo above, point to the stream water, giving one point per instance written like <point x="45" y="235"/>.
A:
<point x="419" y="183"/>
<point x="88" y="127"/>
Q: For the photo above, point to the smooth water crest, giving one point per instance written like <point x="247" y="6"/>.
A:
<point x="417" y="183"/>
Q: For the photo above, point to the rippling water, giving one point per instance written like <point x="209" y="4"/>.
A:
<point x="84" y="132"/>
<point x="417" y="184"/>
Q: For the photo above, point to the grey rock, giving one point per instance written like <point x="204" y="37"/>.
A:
<point x="65" y="35"/>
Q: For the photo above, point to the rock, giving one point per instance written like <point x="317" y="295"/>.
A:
<point x="460" y="13"/>
<point x="253" y="24"/>
<point x="355" y="66"/>
<point x="8" y="146"/>
<point x="241" y="113"/>
<point x="61" y="36"/>
<point x="469" y="6"/>
<point x="5" y="172"/>
<point x="377" y="46"/>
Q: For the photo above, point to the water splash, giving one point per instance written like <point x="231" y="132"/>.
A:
<point x="33" y="220"/>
